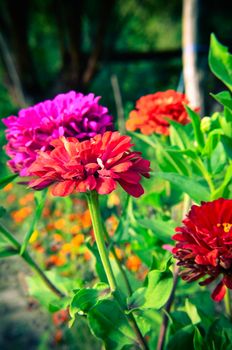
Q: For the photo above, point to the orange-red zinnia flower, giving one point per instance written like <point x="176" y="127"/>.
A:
<point x="153" y="110"/>
<point x="204" y="245"/>
<point x="95" y="164"/>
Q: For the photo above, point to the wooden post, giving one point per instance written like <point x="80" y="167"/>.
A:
<point x="191" y="70"/>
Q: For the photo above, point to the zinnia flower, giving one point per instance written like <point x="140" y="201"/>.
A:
<point x="204" y="245"/>
<point x="152" y="112"/>
<point x="95" y="164"/>
<point x="70" y="115"/>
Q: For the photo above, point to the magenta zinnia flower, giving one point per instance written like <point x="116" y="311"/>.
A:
<point x="95" y="164"/>
<point x="204" y="245"/>
<point x="71" y="114"/>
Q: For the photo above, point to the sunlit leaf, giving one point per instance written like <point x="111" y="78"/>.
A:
<point x="193" y="188"/>
<point x="220" y="61"/>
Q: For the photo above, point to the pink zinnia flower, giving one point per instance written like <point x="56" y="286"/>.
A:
<point x="95" y="164"/>
<point x="70" y="115"/>
<point x="204" y="245"/>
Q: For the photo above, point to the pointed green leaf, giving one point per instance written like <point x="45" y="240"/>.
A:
<point x="192" y="312"/>
<point x="40" y="198"/>
<point x="196" y="122"/>
<point x="86" y="298"/>
<point x="193" y="188"/>
<point x="6" y="180"/>
<point x="224" y="98"/>
<point x="227" y="179"/>
<point x="108" y="322"/>
<point x="162" y="229"/>
<point x="220" y="61"/>
<point x="157" y="291"/>
<point x="6" y="252"/>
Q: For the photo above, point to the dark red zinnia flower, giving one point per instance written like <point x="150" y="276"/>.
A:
<point x="95" y="164"/>
<point x="204" y="245"/>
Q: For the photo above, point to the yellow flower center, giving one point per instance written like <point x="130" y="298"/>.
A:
<point x="226" y="226"/>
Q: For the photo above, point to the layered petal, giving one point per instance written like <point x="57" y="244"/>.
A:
<point x="204" y="244"/>
<point x="153" y="111"/>
<point x="70" y="115"/>
<point x="73" y="166"/>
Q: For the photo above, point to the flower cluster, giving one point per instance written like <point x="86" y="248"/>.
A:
<point x="70" y="115"/>
<point x="153" y="111"/>
<point x="204" y="245"/>
<point x="95" y="164"/>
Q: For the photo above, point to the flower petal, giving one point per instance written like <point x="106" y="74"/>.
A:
<point x="219" y="292"/>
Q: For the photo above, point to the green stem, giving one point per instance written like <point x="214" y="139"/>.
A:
<point x="205" y="173"/>
<point x="100" y="232"/>
<point x="123" y="272"/>
<point x="94" y="209"/>
<point x="17" y="246"/>
<point x="227" y="302"/>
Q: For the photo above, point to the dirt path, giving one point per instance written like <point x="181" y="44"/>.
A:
<point x="21" y="325"/>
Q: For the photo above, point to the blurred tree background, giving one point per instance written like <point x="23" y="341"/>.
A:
<point x="131" y="46"/>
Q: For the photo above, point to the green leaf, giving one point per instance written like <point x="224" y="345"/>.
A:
<point x="6" y="180"/>
<point x="192" y="312"/>
<point x="163" y="230"/>
<point x="218" y="193"/>
<point x="6" y="252"/>
<point x="169" y="160"/>
<point x="40" y="198"/>
<point x="2" y="211"/>
<point x="182" y="339"/>
<point x="157" y="291"/>
<point x="196" y="122"/>
<point x="220" y="61"/>
<point x="86" y="298"/>
<point x="198" y="340"/>
<point x="226" y="122"/>
<point x="179" y="136"/>
<point x="224" y="98"/>
<point x="211" y="142"/>
<point x="108" y="322"/>
<point x="187" y="185"/>
<point x="227" y="144"/>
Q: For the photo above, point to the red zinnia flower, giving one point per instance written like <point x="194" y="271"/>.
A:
<point x="205" y="245"/>
<point x="95" y="164"/>
<point x="152" y="112"/>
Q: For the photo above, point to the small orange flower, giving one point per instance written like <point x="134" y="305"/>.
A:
<point x="133" y="263"/>
<point x="58" y="336"/>
<point x="60" y="317"/>
<point x="113" y="200"/>
<point x="55" y="260"/>
<point x="26" y="199"/>
<point x="87" y="255"/>
<point x="86" y="219"/>
<point x="57" y="237"/>
<point x="75" y="229"/>
<point x="119" y="253"/>
<point x="78" y="240"/>
<point x="20" y="215"/>
<point x="112" y="224"/>
<point x="59" y="224"/>
<point x="8" y="187"/>
<point x="11" y="198"/>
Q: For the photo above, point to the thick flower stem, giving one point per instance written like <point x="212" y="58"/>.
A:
<point x="93" y="204"/>
<point x="99" y="233"/>
<point x="163" y="328"/>
<point x="17" y="246"/>
<point x="227" y="302"/>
